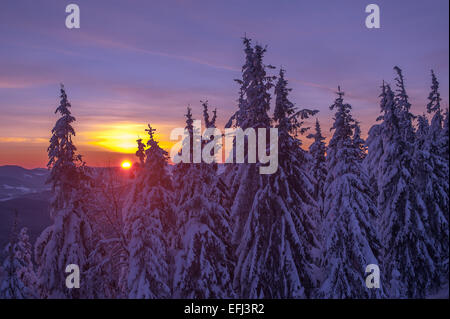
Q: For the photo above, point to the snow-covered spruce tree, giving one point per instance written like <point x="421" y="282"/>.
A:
<point x="69" y="239"/>
<point x="350" y="239"/>
<point x="445" y="154"/>
<point x="182" y="189"/>
<point x="254" y="86"/>
<point x="444" y="137"/>
<point x="439" y="124"/>
<point x="318" y="168"/>
<point x="63" y="160"/>
<point x="254" y="103"/>
<point x="375" y="148"/>
<point x="278" y="242"/>
<point x="204" y="260"/>
<point x="408" y="267"/>
<point x="19" y="281"/>
<point x="431" y="180"/>
<point x="148" y="219"/>
<point x="254" y="98"/>
<point x="26" y="272"/>
<point x="402" y="102"/>
<point x="243" y="178"/>
<point x="444" y="142"/>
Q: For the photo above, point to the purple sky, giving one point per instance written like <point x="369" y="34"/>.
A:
<point x="134" y="62"/>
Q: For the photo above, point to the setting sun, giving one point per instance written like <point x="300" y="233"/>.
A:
<point x="126" y="165"/>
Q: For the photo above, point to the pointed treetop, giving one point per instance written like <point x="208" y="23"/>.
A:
<point x="435" y="97"/>
<point x="212" y="122"/>
<point x="401" y="96"/>
<point x="403" y="106"/>
<point x="189" y="121"/>
<point x="154" y="154"/>
<point x="318" y="129"/>
<point x="340" y="93"/>
<point x="339" y="100"/>
<point x="317" y="136"/>
<point x="214" y="118"/>
<point x="343" y="124"/>
<point x="254" y="98"/>
<point x="285" y="112"/>
<point x="383" y="88"/>
<point x="383" y="98"/>
<point x="64" y="104"/>
<point x="387" y="100"/>
<point x="150" y="131"/>
<point x="283" y="107"/>
<point x="205" y="112"/>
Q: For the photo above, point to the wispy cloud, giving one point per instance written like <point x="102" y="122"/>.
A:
<point x="108" y="43"/>
<point x="34" y="140"/>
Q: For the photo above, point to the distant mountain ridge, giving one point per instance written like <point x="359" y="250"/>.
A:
<point x="23" y="190"/>
<point x="16" y="181"/>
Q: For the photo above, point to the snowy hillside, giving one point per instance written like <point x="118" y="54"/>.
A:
<point x="16" y="181"/>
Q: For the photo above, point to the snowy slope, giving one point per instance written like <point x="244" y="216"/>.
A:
<point x="32" y="213"/>
<point x="16" y="181"/>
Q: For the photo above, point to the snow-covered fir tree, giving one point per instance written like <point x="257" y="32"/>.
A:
<point x="444" y="137"/>
<point x="19" y="280"/>
<point x="254" y="103"/>
<point x="375" y="148"/>
<point x="254" y="89"/>
<point x="408" y="266"/>
<point x="204" y="261"/>
<point x="63" y="160"/>
<point x="439" y="122"/>
<point x="244" y="179"/>
<point x="445" y="154"/>
<point x="181" y="186"/>
<point x="69" y="239"/>
<point x="277" y="247"/>
<point x="350" y="238"/>
<point x="318" y="169"/>
<point x="401" y="99"/>
<point x="148" y="219"/>
<point x="431" y="181"/>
